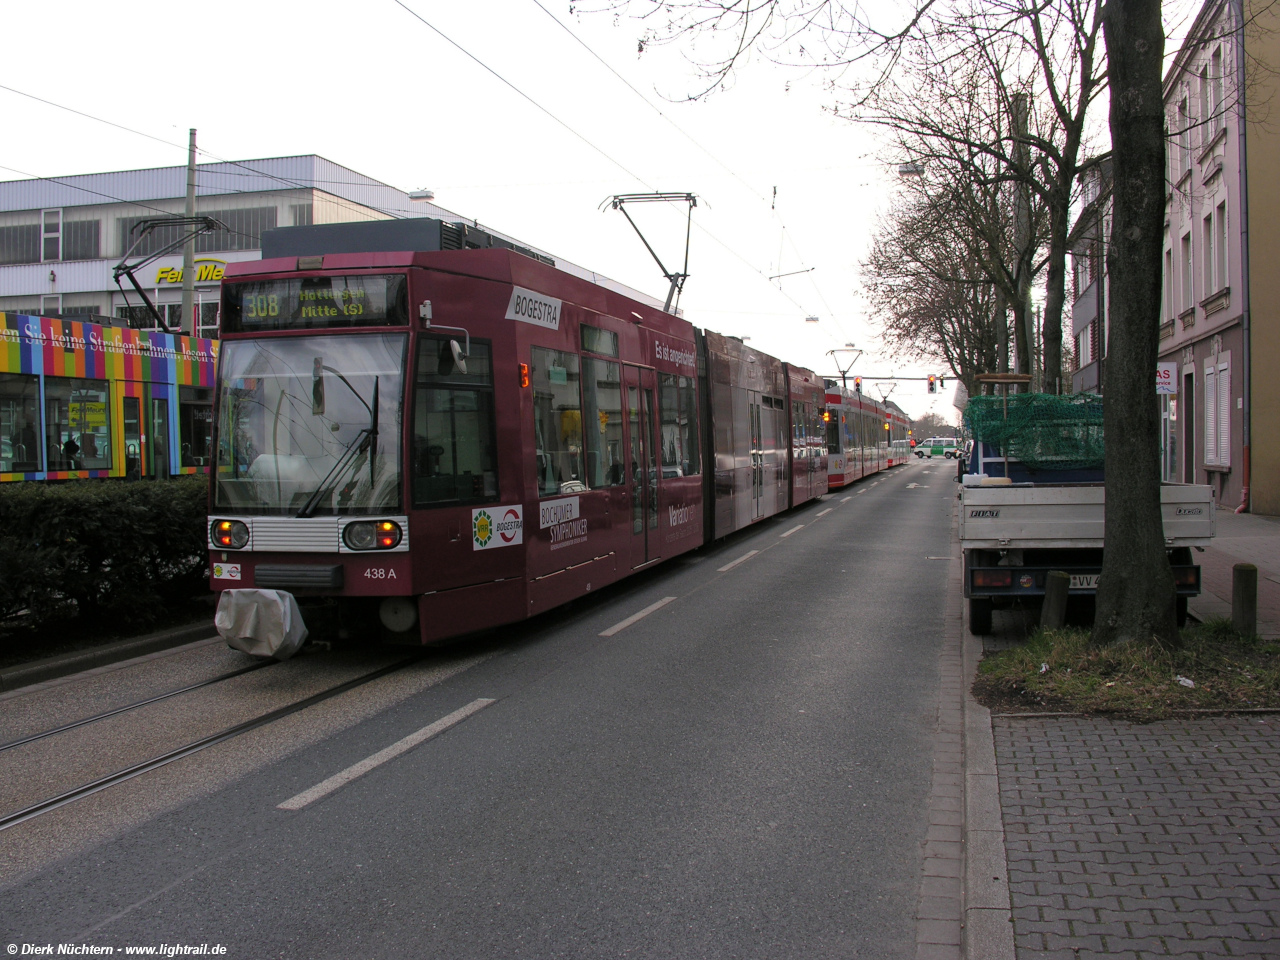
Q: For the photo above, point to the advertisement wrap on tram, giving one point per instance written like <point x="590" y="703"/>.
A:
<point x="82" y="400"/>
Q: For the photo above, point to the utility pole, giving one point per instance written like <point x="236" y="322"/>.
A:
<point x="188" y="324"/>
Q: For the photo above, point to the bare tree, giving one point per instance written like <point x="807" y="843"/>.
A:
<point x="929" y="281"/>
<point x="933" y="425"/>
<point x="1136" y="590"/>
<point x="1136" y="593"/>
<point x="1036" y="62"/>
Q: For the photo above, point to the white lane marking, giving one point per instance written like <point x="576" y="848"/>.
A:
<point x="825" y="512"/>
<point x="913" y="486"/>
<point x="623" y="624"/>
<point x="733" y="563"/>
<point x="799" y="526"/>
<point x="342" y="778"/>
<point x="846" y="498"/>
<point x="861" y="492"/>
<point x="937" y="558"/>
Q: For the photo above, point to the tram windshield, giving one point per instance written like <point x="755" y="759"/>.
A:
<point x="310" y="425"/>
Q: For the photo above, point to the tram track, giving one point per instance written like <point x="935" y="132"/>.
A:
<point x="137" y="704"/>
<point x="193" y="747"/>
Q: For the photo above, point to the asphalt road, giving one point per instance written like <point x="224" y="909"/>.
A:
<point x="743" y="772"/>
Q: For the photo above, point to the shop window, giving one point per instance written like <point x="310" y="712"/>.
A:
<point x="19" y="423"/>
<point x="20" y="244"/>
<point x="140" y="318"/>
<point x="602" y="418"/>
<point x="82" y="240"/>
<point x="208" y="320"/>
<point x="557" y="422"/>
<point x="195" y="425"/>
<point x="243" y="231"/>
<point x="678" y="408"/>
<point x="454" y="456"/>
<point x="77" y="424"/>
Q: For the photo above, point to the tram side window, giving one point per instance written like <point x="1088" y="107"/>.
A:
<point x="602" y="408"/>
<point x="19" y="423"/>
<point x="679" y="426"/>
<point x="557" y="422"/>
<point x="77" y="424"/>
<point x="454" y="455"/>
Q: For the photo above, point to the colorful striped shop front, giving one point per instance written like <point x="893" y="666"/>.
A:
<point x="82" y="400"/>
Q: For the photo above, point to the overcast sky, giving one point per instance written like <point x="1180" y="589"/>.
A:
<point x="530" y="140"/>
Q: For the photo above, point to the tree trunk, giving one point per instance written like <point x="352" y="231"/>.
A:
<point x="1136" y="592"/>
<point x="1055" y="296"/>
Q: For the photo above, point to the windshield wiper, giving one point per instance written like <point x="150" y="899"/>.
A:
<point x="366" y="439"/>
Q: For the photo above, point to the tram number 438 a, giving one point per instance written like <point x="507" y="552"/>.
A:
<point x="379" y="573"/>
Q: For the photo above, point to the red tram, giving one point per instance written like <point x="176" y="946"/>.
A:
<point x="863" y="435"/>
<point x="458" y="439"/>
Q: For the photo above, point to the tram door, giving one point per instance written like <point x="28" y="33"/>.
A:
<point x="132" y="438"/>
<point x="757" y="453"/>
<point x="146" y="435"/>
<point x="642" y="470"/>
<point x="158" y="448"/>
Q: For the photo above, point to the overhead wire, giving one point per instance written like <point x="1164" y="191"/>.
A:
<point x="305" y="184"/>
<point x="488" y="69"/>
<point x="288" y="181"/>
<point x="784" y="237"/>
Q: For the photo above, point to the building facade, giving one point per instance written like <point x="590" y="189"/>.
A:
<point x="60" y="238"/>
<point x="1220" y="303"/>
<point x="1204" y="296"/>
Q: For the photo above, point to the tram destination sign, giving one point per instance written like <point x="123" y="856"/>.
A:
<point x="300" y="303"/>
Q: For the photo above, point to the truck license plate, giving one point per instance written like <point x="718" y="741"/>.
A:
<point x="1084" y="581"/>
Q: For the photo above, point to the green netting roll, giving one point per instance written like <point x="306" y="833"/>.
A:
<point x="1043" y="430"/>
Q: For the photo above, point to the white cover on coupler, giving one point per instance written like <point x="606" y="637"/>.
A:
<point x="262" y="623"/>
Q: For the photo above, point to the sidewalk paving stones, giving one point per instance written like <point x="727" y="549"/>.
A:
<point x="1136" y="840"/>
<point x="1241" y="538"/>
<point x="1126" y="840"/>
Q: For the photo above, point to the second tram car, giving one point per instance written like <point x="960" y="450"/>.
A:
<point x="458" y="439"/>
<point x="863" y="435"/>
<point x="81" y="400"/>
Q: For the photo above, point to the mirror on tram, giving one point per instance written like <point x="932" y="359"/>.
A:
<point x="459" y="358"/>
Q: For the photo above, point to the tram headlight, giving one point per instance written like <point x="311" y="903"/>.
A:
<point x="372" y="535"/>
<point x="231" y="534"/>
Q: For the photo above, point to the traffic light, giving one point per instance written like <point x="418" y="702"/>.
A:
<point x="857" y="384"/>
<point x="933" y="383"/>
<point x="942" y="383"/>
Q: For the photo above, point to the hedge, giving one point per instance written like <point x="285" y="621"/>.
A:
<point x="116" y="550"/>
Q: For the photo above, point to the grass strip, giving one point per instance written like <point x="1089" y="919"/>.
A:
<point x="1214" y="668"/>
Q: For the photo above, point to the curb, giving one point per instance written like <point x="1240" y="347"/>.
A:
<point x="988" y="929"/>
<point x="26" y="674"/>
